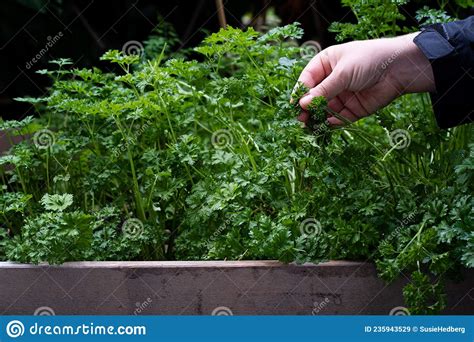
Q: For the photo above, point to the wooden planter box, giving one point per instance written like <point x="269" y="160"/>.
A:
<point x="5" y="143"/>
<point x="212" y="287"/>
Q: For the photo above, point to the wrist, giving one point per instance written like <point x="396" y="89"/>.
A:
<point x="411" y="70"/>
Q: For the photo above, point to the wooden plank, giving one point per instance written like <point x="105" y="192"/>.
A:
<point x="201" y="288"/>
<point x="181" y="264"/>
<point x="5" y="143"/>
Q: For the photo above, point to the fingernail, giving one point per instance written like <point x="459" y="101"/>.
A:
<point x="303" y="116"/>
<point x="304" y="101"/>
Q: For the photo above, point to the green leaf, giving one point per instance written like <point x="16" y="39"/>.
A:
<point x="57" y="202"/>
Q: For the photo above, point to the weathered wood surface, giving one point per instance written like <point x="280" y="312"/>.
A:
<point x="201" y="288"/>
<point x="5" y="143"/>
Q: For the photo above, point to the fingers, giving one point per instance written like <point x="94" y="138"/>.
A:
<point x="304" y="116"/>
<point x="312" y="74"/>
<point x="336" y="105"/>
<point x="346" y="115"/>
<point x="341" y="106"/>
<point x="325" y="81"/>
<point x="314" y="71"/>
<point x="335" y="121"/>
<point x="330" y="87"/>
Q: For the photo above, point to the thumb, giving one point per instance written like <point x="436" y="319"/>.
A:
<point x="330" y="87"/>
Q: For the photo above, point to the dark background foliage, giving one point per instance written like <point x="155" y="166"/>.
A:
<point x="91" y="27"/>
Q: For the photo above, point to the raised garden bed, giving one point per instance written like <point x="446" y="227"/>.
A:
<point x="204" y="288"/>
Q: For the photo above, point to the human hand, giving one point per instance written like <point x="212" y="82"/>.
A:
<point x="359" y="77"/>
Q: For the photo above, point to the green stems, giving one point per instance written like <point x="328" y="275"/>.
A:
<point x="136" y="188"/>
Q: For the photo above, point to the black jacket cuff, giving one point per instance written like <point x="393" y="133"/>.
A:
<point x="450" y="49"/>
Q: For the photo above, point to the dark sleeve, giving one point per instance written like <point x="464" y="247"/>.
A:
<point x="450" y="49"/>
